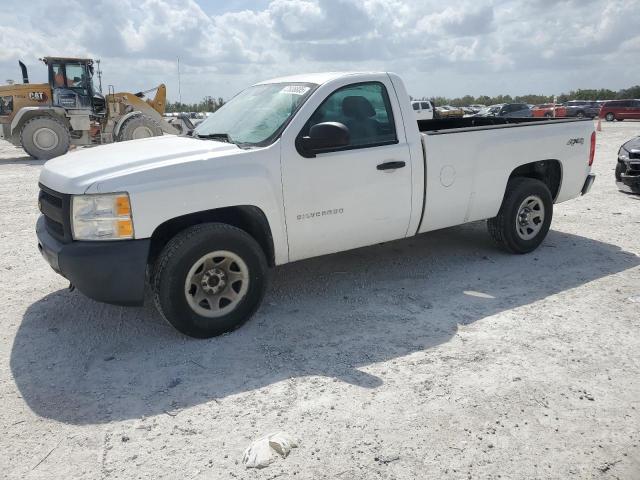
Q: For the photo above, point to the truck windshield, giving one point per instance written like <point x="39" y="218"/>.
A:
<point x="256" y="115"/>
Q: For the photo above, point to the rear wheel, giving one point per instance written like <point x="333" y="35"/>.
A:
<point x="580" y="115"/>
<point x="45" y="137"/>
<point x="209" y="279"/>
<point x="609" y="117"/>
<point x="139" y="126"/>
<point x="524" y="217"/>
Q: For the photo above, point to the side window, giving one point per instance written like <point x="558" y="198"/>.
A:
<point x="425" y="106"/>
<point x="364" y="109"/>
<point x="58" y="75"/>
<point x="6" y="105"/>
<point x="416" y="106"/>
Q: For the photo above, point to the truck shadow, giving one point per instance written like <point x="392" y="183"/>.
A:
<point x="81" y="362"/>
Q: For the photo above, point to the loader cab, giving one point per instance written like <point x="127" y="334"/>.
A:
<point x="71" y="81"/>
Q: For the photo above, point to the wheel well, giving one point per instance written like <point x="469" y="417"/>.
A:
<point x="28" y="115"/>
<point x="245" y="217"/>
<point x="547" y="171"/>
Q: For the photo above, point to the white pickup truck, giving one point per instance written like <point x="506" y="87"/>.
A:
<point x="290" y="169"/>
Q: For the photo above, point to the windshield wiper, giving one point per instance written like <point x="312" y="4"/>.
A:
<point x="223" y="137"/>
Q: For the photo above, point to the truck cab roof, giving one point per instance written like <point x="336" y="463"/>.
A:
<point x="318" y="78"/>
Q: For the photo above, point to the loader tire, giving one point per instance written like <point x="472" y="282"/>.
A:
<point x="45" y="137"/>
<point x="138" y="127"/>
<point x="524" y="217"/>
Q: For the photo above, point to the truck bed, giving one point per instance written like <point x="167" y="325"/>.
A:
<point x="468" y="162"/>
<point x="444" y="125"/>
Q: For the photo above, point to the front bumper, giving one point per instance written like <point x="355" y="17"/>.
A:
<point x="628" y="178"/>
<point x="111" y="272"/>
<point x="629" y="183"/>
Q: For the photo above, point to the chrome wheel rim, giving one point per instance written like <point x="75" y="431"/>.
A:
<point x="216" y="283"/>
<point x="45" y="139"/>
<point x="530" y="217"/>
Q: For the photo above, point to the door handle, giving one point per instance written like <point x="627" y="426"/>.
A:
<point x="391" y="165"/>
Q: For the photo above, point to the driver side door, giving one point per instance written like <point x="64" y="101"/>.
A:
<point x="353" y="195"/>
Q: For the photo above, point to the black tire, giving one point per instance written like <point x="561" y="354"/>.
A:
<point x="620" y="169"/>
<point x="44" y="137"/>
<point x="181" y="255"/>
<point x="609" y="117"/>
<point x="580" y="114"/>
<point x="139" y="126"/>
<point x="548" y="115"/>
<point x="504" y="229"/>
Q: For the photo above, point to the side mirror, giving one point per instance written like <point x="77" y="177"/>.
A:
<point x="323" y="136"/>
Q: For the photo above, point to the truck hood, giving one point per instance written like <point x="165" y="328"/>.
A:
<point x="76" y="171"/>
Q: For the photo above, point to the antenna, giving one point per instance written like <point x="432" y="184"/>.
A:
<point x="179" y="86"/>
<point x="99" y="76"/>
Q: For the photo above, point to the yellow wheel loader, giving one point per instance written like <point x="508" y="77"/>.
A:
<point x="46" y="119"/>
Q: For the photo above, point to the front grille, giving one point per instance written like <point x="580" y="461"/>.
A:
<point x="56" y="208"/>
<point x="635" y="154"/>
<point x="634" y="168"/>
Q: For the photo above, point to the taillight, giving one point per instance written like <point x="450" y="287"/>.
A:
<point x="592" y="151"/>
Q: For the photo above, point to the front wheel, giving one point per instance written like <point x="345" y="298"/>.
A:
<point x="524" y="217"/>
<point x="45" y="137"/>
<point x="209" y="279"/>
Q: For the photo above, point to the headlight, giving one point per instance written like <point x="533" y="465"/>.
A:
<point x="623" y="154"/>
<point x="101" y="217"/>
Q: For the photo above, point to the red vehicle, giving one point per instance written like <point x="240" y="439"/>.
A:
<point x="620" y="110"/>
<point x="546" y="110"/>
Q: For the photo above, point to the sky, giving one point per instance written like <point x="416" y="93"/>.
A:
<point x="440" y="48"/>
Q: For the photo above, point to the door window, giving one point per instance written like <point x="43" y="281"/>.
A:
<point x="75" y="75"/>
<point x="425" y="106"/>
<point x="416" y="106"/>
<point x="364" y="109"/>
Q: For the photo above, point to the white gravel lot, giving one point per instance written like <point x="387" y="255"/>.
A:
<point x="435" y="357"/>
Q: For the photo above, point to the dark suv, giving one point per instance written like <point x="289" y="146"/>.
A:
<point x="505" y="110"/>
<point x="620" y="110"/>
<point x="628" y="167"/>
<point x="582" y="108"/>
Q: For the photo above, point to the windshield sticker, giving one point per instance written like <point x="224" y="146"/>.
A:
<point x="295" y="89"/>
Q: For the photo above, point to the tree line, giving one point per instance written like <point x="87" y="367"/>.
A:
<point x="207" y="104"/>
<point x="211" y="104"/>
<point x="580" y="94"/>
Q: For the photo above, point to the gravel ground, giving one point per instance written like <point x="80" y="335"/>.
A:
<point x="434" y="357"/>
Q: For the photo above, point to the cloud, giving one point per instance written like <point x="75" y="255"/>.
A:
<point x="492" y="46"/>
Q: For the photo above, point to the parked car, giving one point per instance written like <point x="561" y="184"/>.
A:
<point x="620" y="110"/>
<point x="447" y="111"/>
<point x="423" y="109"/>
<point x="582" y="108"/>
<point x="290" y="169"/>
<point x="477" y="107"/>
<point x="628" y="166"/>
<point x="549" y="110"/>
<point x="506" y="110"/>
